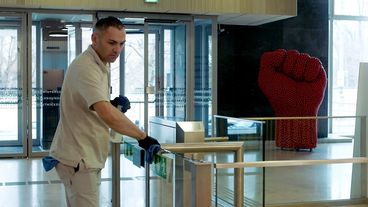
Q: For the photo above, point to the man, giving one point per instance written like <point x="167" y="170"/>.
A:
<point x="80" y="144"/>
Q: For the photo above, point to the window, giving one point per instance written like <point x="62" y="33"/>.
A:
<point x="349" y="38"/>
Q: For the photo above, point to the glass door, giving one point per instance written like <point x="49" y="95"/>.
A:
<point x="205" y="50"/>
<point x="156" y="72"/>
<point x="168" y="62"/>
<point x="167" y="68"/>
<point x="56" y="40"/>
<point x="12" y="85"/>
<point x="154" y="69"/>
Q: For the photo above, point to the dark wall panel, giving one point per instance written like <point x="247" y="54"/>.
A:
<point x="240" y="49"/>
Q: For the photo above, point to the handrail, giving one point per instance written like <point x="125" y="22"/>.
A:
<point x="203" y="147"/>
<point x="285" y="118"/>
<point x="301" y="117"/>
<point x="216" y="139"/>
<point x="288" y="163"/>
<point x="240" y="119"/>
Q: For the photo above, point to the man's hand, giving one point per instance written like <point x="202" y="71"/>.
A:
<point x="147" y="142"/>
<point x="151" y="146"/>
<point x="122" y="103"/>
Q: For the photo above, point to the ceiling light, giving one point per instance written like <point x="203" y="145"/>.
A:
<point x="58" y="34"/>
<point x="133" y="30"/>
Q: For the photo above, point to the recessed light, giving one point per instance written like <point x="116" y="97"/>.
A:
<point x="58" y="34"/>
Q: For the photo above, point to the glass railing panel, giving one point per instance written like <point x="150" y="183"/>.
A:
<point x="251" y="132"/>
<point x="224" y="191"/>
<point x="262" y="136"/>
<point x="224" y="178"/>
<point x="330" y="174"/>
<point x="333" y="182"/>
<point x="163" y="180"/>
<point x="174" y="179"/>
<point x="132" y="177"/>
<point x="238" y="129"/>
<point x="224" y="188"/>
<point x="309" y="185"/>
<point x="180" y="181"/>
<point x="297" y="144"/>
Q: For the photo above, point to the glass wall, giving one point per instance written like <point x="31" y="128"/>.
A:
<point x="349" y="40"/>
<point x="203" y="73"/>
<point x="164" y="58"/>
<point x="12" y="74"/>
<point x="333" y="174"/>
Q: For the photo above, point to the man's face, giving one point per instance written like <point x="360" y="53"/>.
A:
<point x="109" y="43"/>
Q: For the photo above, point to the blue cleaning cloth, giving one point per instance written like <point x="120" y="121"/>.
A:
<point x="49" y="163"/>
<point x="150" y="153"/>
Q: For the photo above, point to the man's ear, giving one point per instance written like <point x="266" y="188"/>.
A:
<point x="94" y="37"/>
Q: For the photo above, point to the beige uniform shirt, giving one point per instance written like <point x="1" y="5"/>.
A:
<point x="81" y="134"/>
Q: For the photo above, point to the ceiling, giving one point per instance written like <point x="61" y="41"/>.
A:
<point x="249" y="19"/>
<point x="62" y="17"/>
<point x="230" y="19"/>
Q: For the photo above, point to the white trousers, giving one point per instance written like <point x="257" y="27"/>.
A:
<point x="81" y="185"/>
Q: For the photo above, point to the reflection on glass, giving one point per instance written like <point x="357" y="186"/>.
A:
<point x="10" y="93"/>
<point x="72" y="50"/>
<point x="134" y="77"/>
<point x="115" y="78"/>
<point x="86" y="37"/>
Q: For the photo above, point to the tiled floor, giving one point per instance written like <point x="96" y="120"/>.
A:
<point x="24" y="183"/>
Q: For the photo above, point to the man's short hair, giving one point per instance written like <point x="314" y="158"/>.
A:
<point x="104" y="23"/>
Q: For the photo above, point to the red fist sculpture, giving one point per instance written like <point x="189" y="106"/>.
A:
<point x="294" y="84"/>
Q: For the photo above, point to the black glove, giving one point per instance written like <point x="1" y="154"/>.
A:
<point x="122" y="103"/>
<point x="147" y="142"/>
